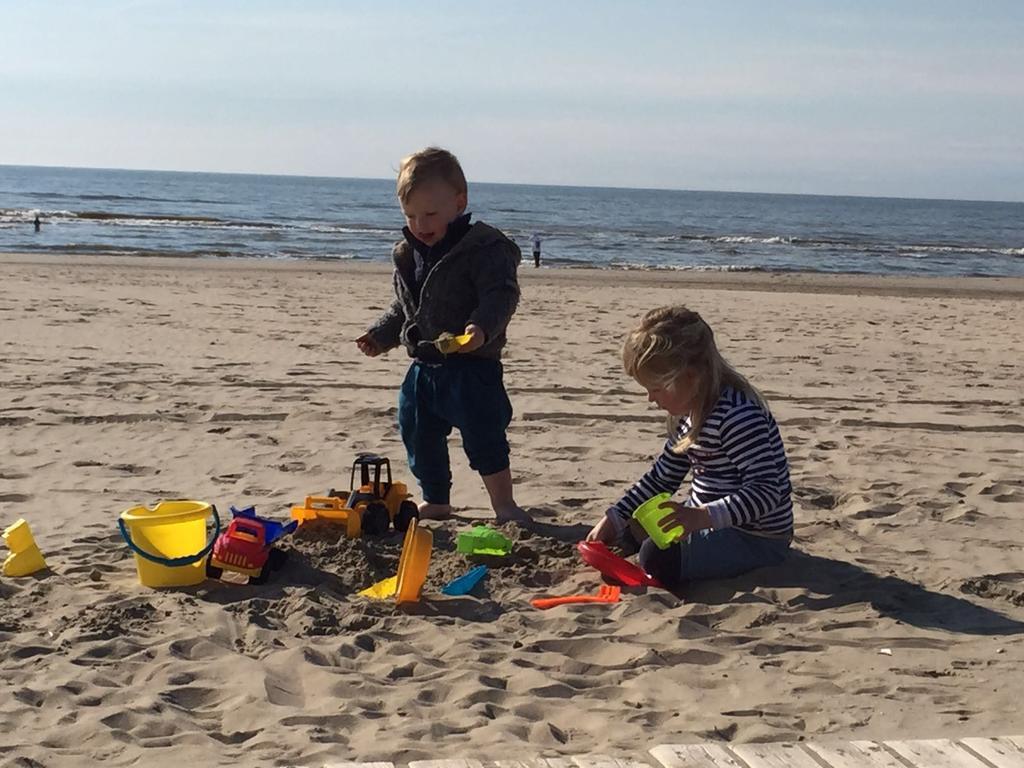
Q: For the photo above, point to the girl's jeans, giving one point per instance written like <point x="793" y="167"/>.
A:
<point x="711" y="554"/>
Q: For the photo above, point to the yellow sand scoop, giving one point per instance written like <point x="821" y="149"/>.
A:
<point x="383" y="589"/>
<point x="330" y="508"/>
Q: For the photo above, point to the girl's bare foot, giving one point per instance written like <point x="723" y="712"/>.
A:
<point x="430" y="511"/>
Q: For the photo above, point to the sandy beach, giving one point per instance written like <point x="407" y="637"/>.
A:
<point x="124" y="381"/>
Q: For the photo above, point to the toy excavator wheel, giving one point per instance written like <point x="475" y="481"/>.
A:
<point x="407" y="512"/>
<point x="212" y="571"/>
<point x="375" y="519"/>
<point x="277" y="559"/>
<point x="263" y="575"/>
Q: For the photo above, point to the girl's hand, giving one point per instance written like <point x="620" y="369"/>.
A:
<point x="691" y="518"/>
<point x="477" y="338"/>
<point x="368" y="345"/>
<point x="604" y="532"/>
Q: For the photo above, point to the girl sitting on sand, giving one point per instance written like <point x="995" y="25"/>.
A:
<point x="739" y="514"/>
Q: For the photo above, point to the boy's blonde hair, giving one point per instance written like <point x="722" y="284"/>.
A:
<point x="671" y="341"/>
<point x="429" y="164"/>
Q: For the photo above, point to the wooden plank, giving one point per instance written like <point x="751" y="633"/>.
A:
<point x="1002" y="753"/>
<point x="603" y="761"/>
<point x="935" y="753"/>
<point x="694" y="756"/>
<point x="857" y="754"/>
<point x="456" y="763"/>
<point x="782" y="755"/>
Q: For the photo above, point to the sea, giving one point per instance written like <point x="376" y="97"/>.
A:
<point x="215" y="215"/>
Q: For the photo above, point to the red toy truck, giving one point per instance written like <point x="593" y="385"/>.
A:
<point x="247" y="546"/>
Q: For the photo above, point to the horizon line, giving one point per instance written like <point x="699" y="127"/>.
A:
<point x="525" y="184"/>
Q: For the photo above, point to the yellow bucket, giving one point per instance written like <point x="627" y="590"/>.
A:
<point x="169" y="541"/>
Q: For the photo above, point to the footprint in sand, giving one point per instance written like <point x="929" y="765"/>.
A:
<point x="191" y="698"/>
<point x="235" y="737"/>
<point x="818" y="498"/>
<point x="135" y="469"/>
<point x="882" y="510"/>
<point x="285" y="690"/>
<point x="1003" y="492"/>
<point x="573" y="503"/>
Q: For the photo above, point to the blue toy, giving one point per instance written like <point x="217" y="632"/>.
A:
<point x="273" y="529"/>
<point x="463" y="585"/>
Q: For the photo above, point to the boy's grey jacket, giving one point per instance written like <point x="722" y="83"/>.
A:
<point x="475" y="282"/>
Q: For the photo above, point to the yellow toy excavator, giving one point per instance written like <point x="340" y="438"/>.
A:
<point x="370" y="508"/>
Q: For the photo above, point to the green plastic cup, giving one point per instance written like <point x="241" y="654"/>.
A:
<point x="649" y="514"/>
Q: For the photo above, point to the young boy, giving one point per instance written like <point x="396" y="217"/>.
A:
<point x="454" y="277"/>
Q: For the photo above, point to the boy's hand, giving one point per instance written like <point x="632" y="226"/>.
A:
<point x="691" y="518"/>
<point x="368" y="345"/>
<point x="476" y="340"/>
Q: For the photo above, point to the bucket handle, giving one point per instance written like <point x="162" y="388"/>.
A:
<point x="173" y="562"/>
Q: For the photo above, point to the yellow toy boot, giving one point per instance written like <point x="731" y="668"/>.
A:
<point x="25" y="558"/>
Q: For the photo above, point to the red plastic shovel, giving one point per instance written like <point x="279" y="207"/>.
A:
<point x="597" y="555"/>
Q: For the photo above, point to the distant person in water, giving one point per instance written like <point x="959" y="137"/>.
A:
<point x="536" y="249"/>
<point x="38" y="223"/>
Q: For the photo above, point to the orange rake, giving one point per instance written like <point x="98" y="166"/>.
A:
<point x="606" y="594"/>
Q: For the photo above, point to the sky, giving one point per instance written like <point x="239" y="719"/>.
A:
<point x="919" y="98"/>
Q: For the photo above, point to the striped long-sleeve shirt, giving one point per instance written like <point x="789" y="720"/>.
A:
<point x="740" y="471"/>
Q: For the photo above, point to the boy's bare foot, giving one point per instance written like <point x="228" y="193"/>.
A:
<point x="430" y="511"/>
<point x="513" y="514"/>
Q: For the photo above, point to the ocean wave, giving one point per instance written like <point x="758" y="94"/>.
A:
<point x="626" y="265"/>
<point x="27" y="215"/>
<point x="856" y="245"/>
<point x="118" y="218"/>
<point x="981" y="250"/>
<point x="353" y="229"/>
<point x="130" y="198"/>
<point x="778" y="240"/>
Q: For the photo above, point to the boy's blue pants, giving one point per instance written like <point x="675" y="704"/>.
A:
<point x="464" y="392"/>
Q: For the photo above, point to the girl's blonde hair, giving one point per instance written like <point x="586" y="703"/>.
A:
<point x="670" y="342"/>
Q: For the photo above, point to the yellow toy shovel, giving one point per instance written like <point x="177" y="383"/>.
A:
<point x="447" y="343"/>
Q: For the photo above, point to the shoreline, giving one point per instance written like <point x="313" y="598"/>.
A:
<point x="772" y="282"/>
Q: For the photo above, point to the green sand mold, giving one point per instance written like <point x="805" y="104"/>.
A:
<point x="483" y="540"/>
